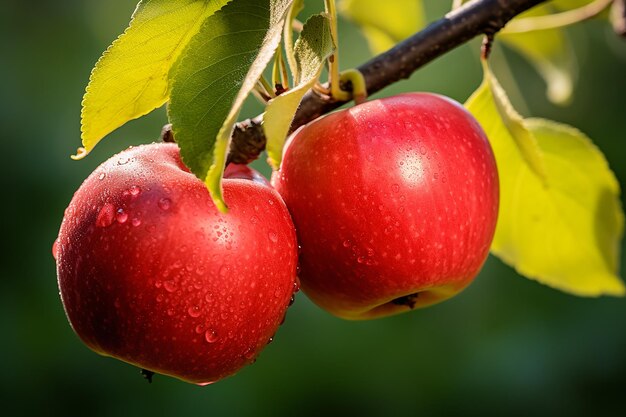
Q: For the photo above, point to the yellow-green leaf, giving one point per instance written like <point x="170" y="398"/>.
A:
<point x="296" y="8"/>
<point x="513" y="121"/>
<point x="313" y="47"/>
<point x="550" y="51"/>
<point x="130" y="79"/>
<point x="565" y="231"/>
<point x="215" y="74"/>
<point x="384" y="23"/>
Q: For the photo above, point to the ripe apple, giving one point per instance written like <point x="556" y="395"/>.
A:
<point x="152" y="274"/>
<point x="394" y="201"/>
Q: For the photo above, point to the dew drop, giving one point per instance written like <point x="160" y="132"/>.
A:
<point x="102" y="176"/>
<point x="55" y="249"/>
<point x="170" y="286"/>
<point x="121" y="217"/>
<point x="134" y="191"/>
<point x="165" y="204"/>
<point x="136" y="221"/>
<point x="273" y="236"/>
<point x="254" y="220"/>
<point x="347" y="243"/>
<point x="158" y="284"/>
<point x="210" y="336"/>
<point x="395" y="188"/>
<point x="199" y="328"/>
<point x="122" y="161"/>
<point x="106" y="215"/>
<point x="194" y="311"/>
<point x="223" y="270"/>
<point x="170" y="312"/>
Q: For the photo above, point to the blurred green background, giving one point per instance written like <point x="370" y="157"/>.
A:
<point x="506" y="345"/>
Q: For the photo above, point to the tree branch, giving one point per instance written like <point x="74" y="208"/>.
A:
<point x="456" y="28"/>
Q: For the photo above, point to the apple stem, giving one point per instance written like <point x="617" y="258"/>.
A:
<point x="487" y="45"/>
<point x="334" y="78"/>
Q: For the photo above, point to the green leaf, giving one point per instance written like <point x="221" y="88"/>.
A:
<point x="524" y="140"/>
<point x="550" y="51"/>
<point x="313" y="47"/>
<point x="384" y="23"/>
<point x="296" y="8"/>
<point x="215" y="74"/>
<point x="563" y="230"/>
<point x="130" y="79"/>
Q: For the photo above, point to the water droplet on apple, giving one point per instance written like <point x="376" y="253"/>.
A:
<point x="136" y="221"/>
<point x="102" y="176"/>
<point x="165" y="204"/>
<point x="121" y="217"/>
<point x="360" y="259"/>
<point x="211" y="336"/>
<point x="199" y="328"/>
<point x="170" y="312"/>
<point x="422" y="150"/>
<point x="254" y="219"/>
<point x="170" y="286"/>
<point x="277" y="294"/>
<point x="134" y="190"/>
<point x="395" y="188"/>
<point x="106" y="215"/>
<point x="347" y="243"/>
<point x="55" y="248"/>
<point x="273" y="236"/>
<point x="160" y="298"/>
<point x="122" y="161"/>
<point x="249" y="354"/>
<point x="194" y="311"/>
<point x="223" y="270"/>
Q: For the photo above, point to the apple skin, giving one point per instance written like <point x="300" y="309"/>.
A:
<point x="152" y="274"/>
<point x="395" y="203"/>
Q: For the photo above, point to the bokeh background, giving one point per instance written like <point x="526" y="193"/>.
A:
<point x="506" y="346"/>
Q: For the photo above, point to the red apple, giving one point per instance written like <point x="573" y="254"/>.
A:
<point x="152" y="274"/>
<point x="394" y="201"/>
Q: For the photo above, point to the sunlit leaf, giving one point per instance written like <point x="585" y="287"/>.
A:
<point x="130" y="79"/>
<point x="550" y="51"/>
<point x="313" y="47"/>
<point x="384" y="23"/>
<point x="296" y="8"/>
<point x="217" y="71"/>
<point x="563" y="230"/>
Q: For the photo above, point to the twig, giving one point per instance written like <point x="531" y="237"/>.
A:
<point x="456" y="28"/>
